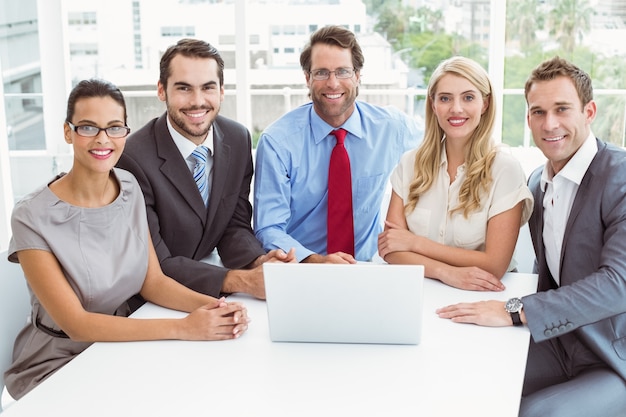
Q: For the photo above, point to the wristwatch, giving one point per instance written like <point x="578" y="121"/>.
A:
<point x="513" y="307"/>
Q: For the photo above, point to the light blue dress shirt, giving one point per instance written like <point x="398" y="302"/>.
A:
<point x="291" y="176"/>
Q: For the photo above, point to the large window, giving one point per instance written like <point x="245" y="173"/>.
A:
<point x="46" y="46"/>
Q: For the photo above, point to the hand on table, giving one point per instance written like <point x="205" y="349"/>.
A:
<point x="331" y="258"/>
<point x="484" y="313"/>
<point x="217" y="321"/>
<point x="279" y="255"/>
<point x="472" y="278"/>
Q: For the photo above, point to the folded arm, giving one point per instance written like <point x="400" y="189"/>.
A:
<point x="211" y="319"/>
<point x="463" y="268"/>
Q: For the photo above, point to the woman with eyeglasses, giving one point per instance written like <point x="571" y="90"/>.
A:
<point x="458" y="200"/>
<point x="84" y="246"/>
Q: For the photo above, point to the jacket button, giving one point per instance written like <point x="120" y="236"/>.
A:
<point x="547" y="332"/>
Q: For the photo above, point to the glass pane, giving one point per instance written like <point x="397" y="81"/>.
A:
<point x="25" y="128"/>
<point x="19" y="48"/>
<point x="142" y="108"/>
<point x="424" y="36"/>
<point x="21" y="75"/>
<point x="514" y="120"/>
<point x="610" y="124"/>
<point x="266" y="108"/>
<point x="583" y="31"/>
<point x="29" y="172"/>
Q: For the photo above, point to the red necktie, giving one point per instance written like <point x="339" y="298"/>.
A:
<point x="340" y="224"/>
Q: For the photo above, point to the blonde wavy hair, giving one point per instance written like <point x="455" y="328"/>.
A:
<point x="481" y="149"/>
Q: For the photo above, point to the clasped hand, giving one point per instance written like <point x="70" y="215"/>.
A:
<point x="276" y="255"/>
<point x="219" y="320"/>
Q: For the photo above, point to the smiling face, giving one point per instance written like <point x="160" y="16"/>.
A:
<point x="333" y="99"/>
<point x="458" y="106"/>
<point x="99" y="153"/>
<point x="193" y="96"/>
<point x="558" y="120"/>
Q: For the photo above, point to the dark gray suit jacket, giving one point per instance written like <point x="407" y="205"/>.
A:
<point x="591" y="300"/>
<point x="182" y="229"/>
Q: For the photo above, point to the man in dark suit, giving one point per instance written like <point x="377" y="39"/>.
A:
<point x="196" y="204"/>
<point x="577" y="357"/>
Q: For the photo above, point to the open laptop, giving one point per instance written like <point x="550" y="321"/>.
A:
<point x="341" y="303"/>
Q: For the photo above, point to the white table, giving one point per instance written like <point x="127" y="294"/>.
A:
<point x="457" y="370"/>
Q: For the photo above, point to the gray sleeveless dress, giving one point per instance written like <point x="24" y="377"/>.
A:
<point x="104" y="255"/>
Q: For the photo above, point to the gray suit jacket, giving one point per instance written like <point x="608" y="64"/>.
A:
<point x="591" y="300"/>
<point x="182" y="229"/>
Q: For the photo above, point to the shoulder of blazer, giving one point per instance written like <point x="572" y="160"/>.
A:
<point x="151" y="143"/>
<point x="224" y="125"/>
<point x="227" y="132"/>
<point x="607" y="156"/>
<point x="607" y="171"/>
<point x="146" y="133"/>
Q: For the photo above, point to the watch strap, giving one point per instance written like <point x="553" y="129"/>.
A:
<point x="517" y="321"/>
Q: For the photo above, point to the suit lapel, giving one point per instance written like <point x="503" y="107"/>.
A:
<point x="579" y="200"/>
<point x="221" y="162"/>
<point x="175" y="169"/>
<point x="546" y="281"/>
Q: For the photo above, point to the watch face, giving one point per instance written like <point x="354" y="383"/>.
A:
<point x="514" y="305"/>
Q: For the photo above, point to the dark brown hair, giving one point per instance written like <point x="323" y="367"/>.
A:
<point x="93" y="88"/>
<point x="333" y="35"/>
<point x="191" y="48"/>
<point x="559" y="67"/>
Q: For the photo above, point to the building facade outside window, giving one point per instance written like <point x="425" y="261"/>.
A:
<point x="122" y="41"/>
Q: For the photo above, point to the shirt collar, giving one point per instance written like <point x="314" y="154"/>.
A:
<point x="576" y="167"/>
<point x="321" y="129"/>
<point x="184" y="145"/>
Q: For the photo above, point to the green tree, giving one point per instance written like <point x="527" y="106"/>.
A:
<point x="394" y="23"/>
<point x="373" y="6"/>
<point x="568" y="21"/>
<point x="425" y="19"/>
<point x="427" y="50"/>
<point x="419" y="33"/>
<point x="610" y="120"/>
<point x="522" y="22"/>
<point x="516" y="71"/>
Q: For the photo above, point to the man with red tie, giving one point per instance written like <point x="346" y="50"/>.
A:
<point x="322" y="169"/>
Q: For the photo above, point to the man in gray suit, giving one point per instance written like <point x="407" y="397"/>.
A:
<point x="196" y="205"/>
<point x="577" y="357"/>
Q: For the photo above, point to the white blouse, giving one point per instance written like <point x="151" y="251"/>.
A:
<point x="431" y="217"/>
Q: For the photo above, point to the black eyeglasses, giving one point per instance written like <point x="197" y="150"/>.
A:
<point x="324" y="74"/>
<point x="114" y="132"/>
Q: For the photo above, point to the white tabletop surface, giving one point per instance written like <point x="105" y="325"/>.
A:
<point x="456" y="370"/>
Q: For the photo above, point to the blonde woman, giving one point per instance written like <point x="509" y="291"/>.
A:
<point x="458" y="200"/>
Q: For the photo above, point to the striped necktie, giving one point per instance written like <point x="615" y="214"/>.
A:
<point x="340" y="223"/>
<point x="200" y="171"/>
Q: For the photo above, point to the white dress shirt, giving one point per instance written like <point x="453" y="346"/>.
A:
<point x="186" y="147"/>
<point x="560" y="192"/>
